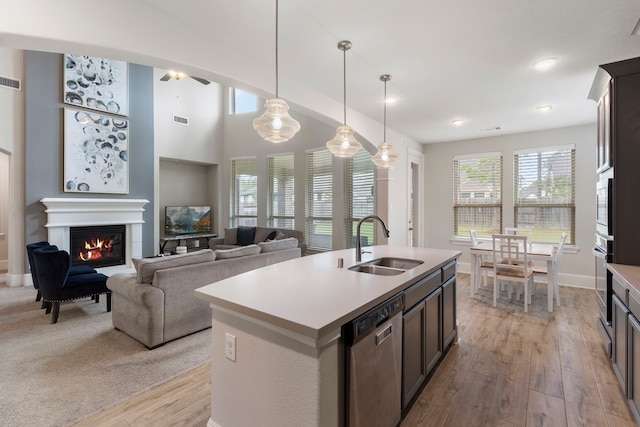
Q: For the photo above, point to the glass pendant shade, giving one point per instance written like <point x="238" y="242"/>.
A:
<point x="386" y="157"/>
<point x="344" y="144"/>
<point x="275" y="124"/>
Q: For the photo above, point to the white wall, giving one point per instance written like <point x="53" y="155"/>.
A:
<point x="186" y="156"/>
<point x="12" y="143"/>
<point x="577" y="268"/>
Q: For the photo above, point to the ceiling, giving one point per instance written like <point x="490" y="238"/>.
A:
<point x="449" y="59"/>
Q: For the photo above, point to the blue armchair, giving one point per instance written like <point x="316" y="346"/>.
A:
<point x="52" y="267"/>
<point x="79" y="269"/>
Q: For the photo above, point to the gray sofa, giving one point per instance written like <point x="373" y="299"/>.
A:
<point x="156" y="304"/>
<point x="256" y="234"/>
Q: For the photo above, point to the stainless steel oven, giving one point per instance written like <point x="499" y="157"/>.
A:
<point x="603" y="253"/>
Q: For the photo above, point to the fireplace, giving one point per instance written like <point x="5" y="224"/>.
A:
<point x="66" y="213"/>
<point x="98" y="246"/>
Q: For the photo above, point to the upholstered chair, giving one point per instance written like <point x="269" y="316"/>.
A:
<point x="52" y="268"/>
<point x="79" y="269"/>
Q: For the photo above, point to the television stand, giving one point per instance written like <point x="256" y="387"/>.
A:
<point x="183" y="238"/>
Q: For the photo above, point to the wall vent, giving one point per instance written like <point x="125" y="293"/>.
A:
<point x="181" y="120"/>
<point x="10" y="83"/>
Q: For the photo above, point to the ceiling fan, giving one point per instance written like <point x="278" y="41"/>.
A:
<point x="179" y="76"/>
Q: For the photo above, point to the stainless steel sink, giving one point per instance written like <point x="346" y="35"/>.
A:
<point x="401" y="263"/>
<point x="376" y="269"/>
<point x="386" y="266"/>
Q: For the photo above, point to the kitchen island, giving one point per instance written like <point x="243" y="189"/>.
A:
<point x="282" y="324"/>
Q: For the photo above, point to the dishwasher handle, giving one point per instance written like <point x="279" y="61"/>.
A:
<point x="384" y="334"/>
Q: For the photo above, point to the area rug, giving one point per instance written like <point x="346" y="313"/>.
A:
<point x="56" y="375"/>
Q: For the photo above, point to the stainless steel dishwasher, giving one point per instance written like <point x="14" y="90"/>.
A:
<point x="374" y="366"/>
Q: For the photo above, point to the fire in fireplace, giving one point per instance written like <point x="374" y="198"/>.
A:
<point x="98" y="246"/>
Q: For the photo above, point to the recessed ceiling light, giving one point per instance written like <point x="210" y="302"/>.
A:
<point x="457" y="122"/>
<point x="545" y="63"/>
<point x="544" y="108"/>
<point x="391" y="100"/>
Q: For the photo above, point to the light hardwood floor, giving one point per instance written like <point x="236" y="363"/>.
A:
<point x="508" y="369"/>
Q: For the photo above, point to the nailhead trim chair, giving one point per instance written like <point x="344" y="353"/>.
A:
<point x="57" y="285"/>
<point x="79" y="269"/>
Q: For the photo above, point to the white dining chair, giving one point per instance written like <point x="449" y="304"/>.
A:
<point x="483" y="266"/>
<point x="511" y="263"/>
<point x="555" y="262"/>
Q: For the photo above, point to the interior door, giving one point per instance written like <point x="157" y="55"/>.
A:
<point x="415" y="199"/>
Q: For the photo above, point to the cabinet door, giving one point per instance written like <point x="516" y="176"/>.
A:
<point x="633" y="363"/>
<point x="414" y="366"/>
<point x="619" y="355"/>
<point x="604" y="133"/>
<point x="448" y="312"/>
<point x="433" y="339"/>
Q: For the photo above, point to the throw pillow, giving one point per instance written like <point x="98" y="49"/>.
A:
<point x="245" y="235"/>
<point x="262" y="233"/>
<point x="271" y="236"/>
<point x="145" y="267"/>
<point x="279" y="245"/>
<point x="237" y="252"/>
<point x="280" y="235"/>
<point x="230" y="236"/>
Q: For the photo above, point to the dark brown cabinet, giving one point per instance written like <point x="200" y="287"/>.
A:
<point x="428" y="327"/>
<point x="433" y="329"/>
<point x="615" y="89"/>
<point x="620" y="316"/>
<point x="413" y="355"/>
<point x="633" y="365"/>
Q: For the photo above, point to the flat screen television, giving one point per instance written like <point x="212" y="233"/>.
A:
<point x="180" y="220"/>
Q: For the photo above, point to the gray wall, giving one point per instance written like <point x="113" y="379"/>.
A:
<point x="44" y="142"/>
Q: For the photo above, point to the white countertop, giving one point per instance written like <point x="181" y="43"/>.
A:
<point x="311" y="295"/>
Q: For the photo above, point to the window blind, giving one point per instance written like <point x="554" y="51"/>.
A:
<point x="281" y="197"/>
<point x="243" y="193"/>
<point x="319" y="199"/>
<point x="477" y="194"/>
<point x="359" y="199"/>
<point x="544" y="188"/>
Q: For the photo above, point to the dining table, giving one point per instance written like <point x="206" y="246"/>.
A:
<point x="535" y="252"/>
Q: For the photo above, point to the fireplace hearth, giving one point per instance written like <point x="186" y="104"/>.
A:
<point x="98" y="246"/>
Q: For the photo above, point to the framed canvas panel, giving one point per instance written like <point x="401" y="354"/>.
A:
<point x="96" y="83"/>
<point x="96" y="153"/>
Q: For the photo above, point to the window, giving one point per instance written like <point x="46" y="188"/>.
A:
<point x="544" y="187"/>
<point x="359" y="200"/>
<point x="242" y="102"/>
<point x="319" y="199"/>
<point x="281" y="199"/>
<point x="477" y="194"/>
<point x="243" y="193"/>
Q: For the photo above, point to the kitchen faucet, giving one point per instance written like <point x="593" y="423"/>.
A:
<point x="385" y="230"/>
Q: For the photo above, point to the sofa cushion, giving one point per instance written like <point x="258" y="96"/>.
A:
<point x="237" y="252"/>
<point x="280" y="235"/>
<point x="278" y="245"/>
<point x="230" y="236"/>
<point x="145" y="267"/>
<point x="262" y="234"/>
<point x="245" y="235"/>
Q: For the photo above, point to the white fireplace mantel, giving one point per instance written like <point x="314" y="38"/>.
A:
<point x="64" y="213"/>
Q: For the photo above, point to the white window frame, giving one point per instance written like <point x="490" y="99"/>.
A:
<point x="281" y="191"/>
<point x="240" y="211"/>
<point x="319" y="201"/>
<point x="359" y="198"/>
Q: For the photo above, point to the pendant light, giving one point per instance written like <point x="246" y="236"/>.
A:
<point x="386" y="157"/>
<point x="275" y="124"/>
<point x="344" y="144"/>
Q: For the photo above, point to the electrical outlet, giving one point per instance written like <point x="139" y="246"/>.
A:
<point x="230" y="347"/>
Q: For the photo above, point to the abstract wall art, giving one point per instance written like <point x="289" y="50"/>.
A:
<point x="96" y="149"/>
<point x="96" y="83"/>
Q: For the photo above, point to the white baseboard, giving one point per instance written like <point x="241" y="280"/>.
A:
<point x="572" y="280"/>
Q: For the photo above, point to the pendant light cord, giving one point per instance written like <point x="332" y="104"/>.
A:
<point x="276" y="48"/>
<point x="344" y="80"/>
<point x="384" y="136"/>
